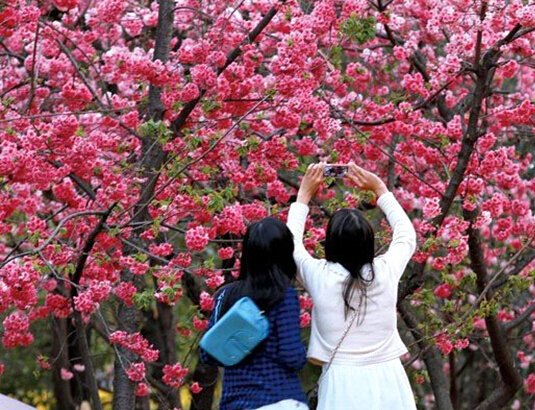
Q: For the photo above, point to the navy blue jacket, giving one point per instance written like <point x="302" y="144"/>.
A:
<point x="269" y="373"/>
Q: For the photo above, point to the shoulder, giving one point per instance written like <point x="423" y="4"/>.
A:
<point x="291" y="292"/>
<point x="291" y="299"/>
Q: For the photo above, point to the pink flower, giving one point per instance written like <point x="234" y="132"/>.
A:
<point x="444" y="291"/>
<point x="136" y="372"/>
<point x="207" y="301"/>
<point x="226" y="253"/>
<point x="305" y="302"/>
<point x="183" y="259"/>
<point x="17" y="330"/>
<point x="65" y="5"/>
<point x="163" y="249"/>
<point x="59" y="305"/>
<point x="420" y="379"/>
<point x="431" y="207"/>
<point x="136" y="343"/>
<point x="203" y="76"/>
<point x="304" y="319"/>
<point x="195" y="388"/>
<point x="461" y="344"/>
<point x="197" y="238"/>
<point x="126" y="291"/>
<point x="529" y="384"/>
<point x="215" y="281"/>
<point x="189" y="92"/>
<point x="173" y="375"/>
<point x="1" y="368"/>
<point x="444" y="344"/>
<point x="231" y="220"/>
<point x="509" y="70"/>
<point x="65" y="374"/>
<point x="79" y="367"/>
<point x="142" y="390"/>
<point x="200" y="324"/>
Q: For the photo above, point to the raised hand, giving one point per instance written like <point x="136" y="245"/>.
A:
<point x="310" y="183"/>
<point x="366" y="180"/>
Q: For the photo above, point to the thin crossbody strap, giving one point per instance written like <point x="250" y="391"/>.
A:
<point x="346" y="331"/>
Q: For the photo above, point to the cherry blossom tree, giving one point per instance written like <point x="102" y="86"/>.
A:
<point x="138" y="139"/>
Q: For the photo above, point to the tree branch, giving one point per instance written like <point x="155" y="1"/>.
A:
<point x="504" y="359"/>
<point x="80" y="328"/>
<point x="177" y="125"/>
<point x="432" y="359"/>
<point x="517" y="321"/>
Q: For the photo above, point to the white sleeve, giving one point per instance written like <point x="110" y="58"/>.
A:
<point x="403" y="242"/>
<point x="306" y="264"/>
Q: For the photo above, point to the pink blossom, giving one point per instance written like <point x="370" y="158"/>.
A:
<point x="215" y="281"/>
<point x="509" y="70"/>
<point x="444" y="344"/>
<point x="443" y="291"/>
<point x="206" y="301"/>
<point x="529" y="383"/>
<point x="189" y="92"/>
<point x="203" y="76"/>
<point x="17" y="330"/>
<point x="163" y="249"/>
<point x="225" y="253"/>
<point x="59" y="305"/>
<point x="173" y="375"/>
<point x="142" y="390"/>
<point x="304" y="319"/>
<point x="126" y="291"/>
<point x="136" y="343"/>
<point x="136" y="372"/>
<point x="195" y="388"/>
<point x="66" y="374"/>
<point x="197" y="238"/>
<point x="183" y="259"/>
<point x="200" y="324"/>
<point x="461" y="344"/>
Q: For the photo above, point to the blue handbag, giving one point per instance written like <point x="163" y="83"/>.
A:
<point x="237" y="333"/>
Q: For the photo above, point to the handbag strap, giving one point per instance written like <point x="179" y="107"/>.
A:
<point x="346" y="331"/>
<point x="219" y="302"/>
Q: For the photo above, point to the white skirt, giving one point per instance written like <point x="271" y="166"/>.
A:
<point x="285" y="405"/>
<point x="380" y="386"/>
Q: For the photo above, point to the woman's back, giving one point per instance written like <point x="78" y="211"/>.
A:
<point x="268" y="374"/>
<point x="366" y="372"/>
<point x="375" y="339"/>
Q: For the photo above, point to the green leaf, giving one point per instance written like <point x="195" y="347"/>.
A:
<point x="357" y="29"/>
<point x="142" y="300"/>
<point x="156" y="130"/>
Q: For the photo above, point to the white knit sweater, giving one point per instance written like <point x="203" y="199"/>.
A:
<point x="375" y="339"/>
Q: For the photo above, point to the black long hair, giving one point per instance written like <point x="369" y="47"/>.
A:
<point x="267" y="265"/>
<point x="350" y="241"/>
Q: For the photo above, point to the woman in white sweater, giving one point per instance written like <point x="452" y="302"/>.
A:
<point x="366" y="372"/>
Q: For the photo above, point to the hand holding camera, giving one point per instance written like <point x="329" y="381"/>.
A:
<point x="316" y="173"/>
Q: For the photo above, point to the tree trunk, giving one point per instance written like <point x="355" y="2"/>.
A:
<point x="151" y="161"/>
<point x="62" y="388"/>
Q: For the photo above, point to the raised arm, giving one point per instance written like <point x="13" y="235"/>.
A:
<point x="403" y="242"/>
<point x="297" y="219"/>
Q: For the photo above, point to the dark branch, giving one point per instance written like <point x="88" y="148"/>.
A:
<point x="177" y="125"/>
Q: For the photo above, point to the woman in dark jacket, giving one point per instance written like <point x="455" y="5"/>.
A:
<point x="267" y="378"/>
